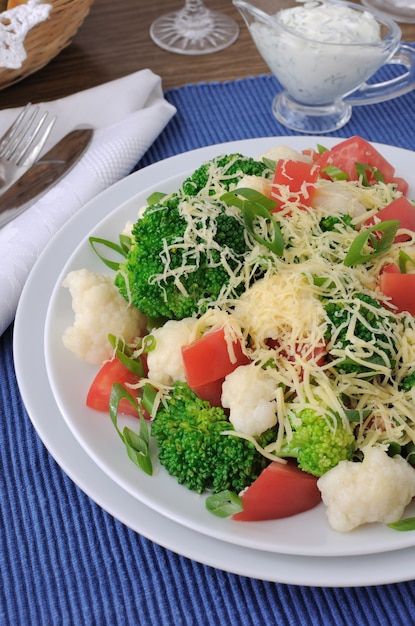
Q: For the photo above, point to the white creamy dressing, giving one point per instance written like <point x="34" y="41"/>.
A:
<point x="331" y="23"/>
<point x="320" y="51"/>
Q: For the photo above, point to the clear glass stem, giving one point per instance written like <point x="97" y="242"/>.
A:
<point x="193" y="6"/>
<point x="194" y="29"/>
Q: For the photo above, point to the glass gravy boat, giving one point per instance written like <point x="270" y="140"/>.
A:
<point x="324" y="57"/>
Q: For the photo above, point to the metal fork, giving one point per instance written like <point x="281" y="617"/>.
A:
<point x="22" y="143"/>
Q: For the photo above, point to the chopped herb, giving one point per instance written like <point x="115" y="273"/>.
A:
<point x="224" y="504"/>
<point x="137" y="444"/>
<point x="156" y="197"/>
<point x="256" y="205"/>
<point x="403" y="524"/>
<point x="362" y="169"/>
<point x="270" y="164"/>
<point x="335" y="173"/>
<point x="379" y="244"/>
<point x="122" y="248"/>
<point x="404" y="259"/>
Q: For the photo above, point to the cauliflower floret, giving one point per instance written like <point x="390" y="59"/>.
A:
<point x="333" y="198"/>
<point x="280" y="306"/>
<point x="249" y="393"/>
<point x="376" y="490"/>
<point x="165" y="362"/>
<point x="128" y="228"/>
<point x="285" y="152"/>
<point x="99" y="310"/>
<point x="257" y="183"/>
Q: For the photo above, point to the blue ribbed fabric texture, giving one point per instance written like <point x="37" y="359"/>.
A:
<point x="64" y="561"/>
<point x="210" y="113"/>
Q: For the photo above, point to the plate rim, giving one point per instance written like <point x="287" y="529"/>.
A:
<point x="125" y="185"/>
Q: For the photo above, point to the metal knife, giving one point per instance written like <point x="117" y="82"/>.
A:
<point x="46" y="172"/>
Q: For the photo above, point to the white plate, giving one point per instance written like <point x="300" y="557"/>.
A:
<point x="34" y="385"/>
<point x="307" y="534"/>
<point x="378" y="569"/>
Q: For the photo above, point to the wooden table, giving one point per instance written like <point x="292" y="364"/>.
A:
<point x="114" y="41"/>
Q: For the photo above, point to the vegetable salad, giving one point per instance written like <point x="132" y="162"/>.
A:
<point x="300" y="342"/>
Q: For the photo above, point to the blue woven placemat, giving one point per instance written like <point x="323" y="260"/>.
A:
<point x="210" y="113"/>
<point x="64" y="561"/>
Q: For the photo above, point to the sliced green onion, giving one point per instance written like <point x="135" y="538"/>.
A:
<point x="270" y="163"/>
<point x="119" y="248"/>
<point x="125" y="243"/>
<point x="119" y="344"/>
<point x="403" y="524"/>
<point x="382" y="244"/>
<point x="125" y="354"/>
<point x="148" y="344"/>
<point x="251" y="211"/>
<point x="404" y="259"/>
<point x="149" y="397"/>
<point x="410" y="458"/>
<point x="257" y="197"/>
<point x="325" y="282"/>
<point x="137" y="448"/>
<point x="394" y="448"/>
<point x="356" y="415"/>
<point x="361" y="171"/>
<point x="231" y="199"/>
<point x="257" y="205"/>
<point x="156" y="197"/>
<point x="137" y="444"/>
<point x="321" y="149"/>
<point x="224" y="504"/>
<point x="335" y="173"/>
<point x="133" y="365"/>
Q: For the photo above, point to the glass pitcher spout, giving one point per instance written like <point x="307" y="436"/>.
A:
<point x="249" y="11"/>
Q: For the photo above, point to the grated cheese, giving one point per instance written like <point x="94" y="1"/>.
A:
<point x="282" y="319"/>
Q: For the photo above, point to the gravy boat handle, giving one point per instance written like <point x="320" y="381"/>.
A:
<point x="388" y="89"/>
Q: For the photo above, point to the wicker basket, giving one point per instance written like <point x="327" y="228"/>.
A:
<point x="45" y="40"/>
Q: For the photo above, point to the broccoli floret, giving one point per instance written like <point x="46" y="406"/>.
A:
<point x="164" y="278"/>
<point x="318" y="442"/>
<point x="408" y="382"/>
<point x="331" y="222"/>
<point x="229" y="169"/>
<point x="189" y="246"/>
<point x="361" y="328"/>
<point x="192" y="448"/>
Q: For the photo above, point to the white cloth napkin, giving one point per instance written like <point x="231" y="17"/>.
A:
<point x="128" y="115"/>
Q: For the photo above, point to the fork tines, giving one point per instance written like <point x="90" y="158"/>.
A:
<point x="26" y="136"/>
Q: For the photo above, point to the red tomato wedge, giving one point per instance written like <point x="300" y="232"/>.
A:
<point x="345" y="154"/>
<point x="281" y="490"/>
<point x="99" y="393"/>
<point x="400" y="288"/>
<point x="299" y="177"/>
<point x="391" y="268"/>
<point x="400" y="209"/>
<point x="402" y="185"/>
<point x="317" y="354"/>
<point x="207" y="361"/>
<point x="211" y="392"/>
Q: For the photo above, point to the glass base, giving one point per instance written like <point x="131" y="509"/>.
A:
<point x="205" y="33"/>
<point x="313" y="120"/>
<point x="396" y="9"/>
